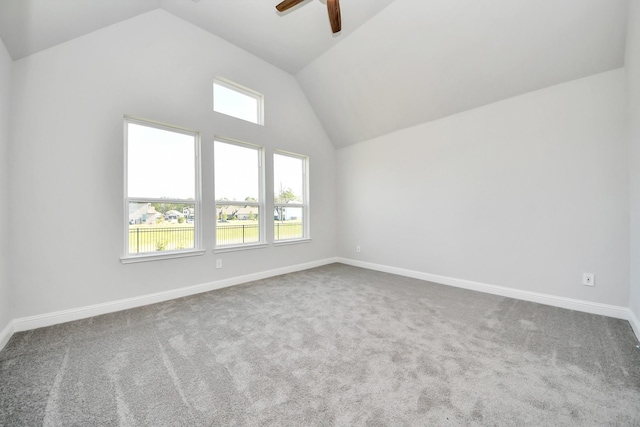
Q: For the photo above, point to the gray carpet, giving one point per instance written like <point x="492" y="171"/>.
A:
<point x="334" y="345"/>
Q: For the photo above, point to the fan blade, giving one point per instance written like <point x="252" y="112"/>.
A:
<point x="333" y="6"/>
<point x="287" y="4"/>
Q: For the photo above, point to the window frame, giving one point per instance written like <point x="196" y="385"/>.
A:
<point x="306" y="223"/>
<point x="197" y="202"/>
<point x="260" y="204"/>
<point x="243" y="90"/>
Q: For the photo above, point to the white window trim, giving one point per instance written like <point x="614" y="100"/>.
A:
<point x="245" y="91"/>
<point x="236" y="248"/>
<point x="164" y="255"/>
<point x="197" y="243"/>
<point x="306" y="227"/>
<point x="260" y="204"/>
<point x="291" y="242"/>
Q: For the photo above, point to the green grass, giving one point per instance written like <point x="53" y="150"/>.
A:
<point x="172" y="237"/>
<point x="160" y="237"/>
<point x="237" y="232"/>
<point x="284" y="230"/>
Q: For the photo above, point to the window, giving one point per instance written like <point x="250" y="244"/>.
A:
<point x="162" y="189"/>
<point x="239" y="102"/>
<point x="239" y="193"/>
<point x="290" y="197"/>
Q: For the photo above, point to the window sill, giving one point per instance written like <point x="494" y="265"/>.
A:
<point x="291" y="242"/>
<point x="130" y="259"/>
<point x="222" y="249"/>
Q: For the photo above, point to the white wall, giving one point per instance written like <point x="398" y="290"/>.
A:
<point x="633" y="81"/>
<point x="526" y="193"/>
<point x="5" y="92"/>
<point x="67" y="165"/>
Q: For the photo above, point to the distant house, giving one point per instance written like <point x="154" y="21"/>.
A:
<point x="287" y="213"/>
<point x="189" y="214"/>
<point x="145" y="214"/>
<point x="242" y="213"/>
<point x="173" y="215"/>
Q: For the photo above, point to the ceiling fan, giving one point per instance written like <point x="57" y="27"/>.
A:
<point x="333" y="6"/>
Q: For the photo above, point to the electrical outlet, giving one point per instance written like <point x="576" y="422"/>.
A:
<point x="588" y="279"/>
<point x="358" y="249"/>
<point x="218" y="263"/>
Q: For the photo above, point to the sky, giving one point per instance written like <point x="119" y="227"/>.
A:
<point x="236" y="172"/>
<point x="161" y="164"/>
<point x="287" y="173"/>
<point x="233" y="103"/>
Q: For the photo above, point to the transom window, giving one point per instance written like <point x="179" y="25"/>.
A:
<point x="239" y="193"/>
<point x="290" y="196"/>
<point x="162" y="187"/>
<point x="237" y="101"/>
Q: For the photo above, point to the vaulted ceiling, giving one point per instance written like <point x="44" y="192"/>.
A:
<point x="421" y="60"/>
<point x="396" y="63"/>
<point x="288" y="40"/>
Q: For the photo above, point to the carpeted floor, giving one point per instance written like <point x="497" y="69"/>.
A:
<point x="334" y="345"/>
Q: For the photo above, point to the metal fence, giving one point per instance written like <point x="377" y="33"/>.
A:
<point x="287" y="230"/>
<point x="160" y="239"/>
<point x="235" y="234"/>
<point x="153" y="239"/>
<point x="232" y="234"/>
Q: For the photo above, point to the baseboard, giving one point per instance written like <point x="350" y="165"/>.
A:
<point x="49" y="319"/>
<point x="635" y="324"/>
<point x="5" y="335"/>
<point x="569" y="303"/>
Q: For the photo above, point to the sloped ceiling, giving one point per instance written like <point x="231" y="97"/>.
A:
<point x="29" y="26"/>
<point x="288" y="40"/>
<point x="420" y="60"/>
<point x="397" y="63"/>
